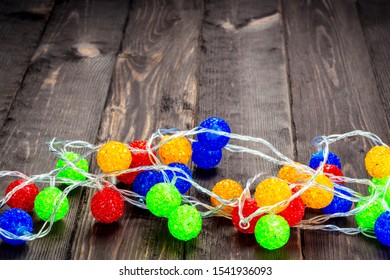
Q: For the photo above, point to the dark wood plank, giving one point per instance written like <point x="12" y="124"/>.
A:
<point x="243" y="80"/>
<point x="375" y="19"/>
<point x="333" y="91"/>
<point x="63" y="96"/>
<point x="21" y="26"/>
<point x="154" y="86"/>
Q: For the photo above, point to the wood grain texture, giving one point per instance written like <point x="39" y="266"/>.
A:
<point x="375" y="19"/>
<point x="155" y="85"/>
<point x="243" y="79"/>
<point x="63" y="96"/>
<point x="333" y="91"/>
<point x="21" y="26"/>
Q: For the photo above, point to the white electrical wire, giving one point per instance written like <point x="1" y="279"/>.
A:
<point x="59" y="148"/>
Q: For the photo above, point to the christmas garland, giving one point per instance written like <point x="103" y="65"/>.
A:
<point x="159" y="177"/>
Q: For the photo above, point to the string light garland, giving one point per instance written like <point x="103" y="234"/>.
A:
<point x="158" y="177"/>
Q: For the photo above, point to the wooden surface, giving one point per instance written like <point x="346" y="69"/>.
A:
<point x="333" y="91"/>
<point x="243" y="79"/>
<point x="22" y="24"/>
<point x="283" y="70"/>
<point x="63" y="95"/>
<point x="154" y="85"/>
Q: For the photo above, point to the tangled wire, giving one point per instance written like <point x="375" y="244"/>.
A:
<point x="159" y="177"/>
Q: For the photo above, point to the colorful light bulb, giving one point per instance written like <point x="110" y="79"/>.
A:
<point x="318" y="157"/>
<point x="107" y="205"/>
<point x="338" y="204"/>
<point x="175" y="150"/>
<point x="46" y="201"/>
<point x="185" y="222"/>
<point x="18" y="222"/>
<point x="138" y="158"/>
<point x="162" y="199"/>
<point x="146" y="180"/>
<point x="380" y="184"/>
<point x="377" y="162"/>
<point x="382" y="228"/>
<point x="272" y="232"/>
<point x="271" y="191"/>
<point x="23" y="198"/>
<point x="226" y="189"/>
<point x="318" y="197"/>
<point x="249" y="207"/>
<point x="181" y="184"/>
<point x="291" y="174"/>
<point x="367" y="217"/>
<point x="212" y="141"/>
<point x="332" y="170"/>
<point x="204" y="158"/>
<point x="71" y="173"/>
<point x="114" y="156"/>
<point x="294" y="212"/>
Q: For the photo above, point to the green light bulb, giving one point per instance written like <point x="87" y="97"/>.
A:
<point x="380" y="183"/>
<point x="367" y="217"/>
<point x="45" y="202"/>
<point x="70" y="173"/>
<point x="185" y="222"/>
<point x="162" y="199"/>
<point x="272" y="231"/>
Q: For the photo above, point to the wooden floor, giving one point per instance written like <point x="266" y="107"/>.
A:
<point x="101" y="70"/>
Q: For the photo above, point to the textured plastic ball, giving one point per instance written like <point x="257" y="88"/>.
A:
<point x="226" y="189"/>
<point x="377" y="162"/>
<point x="204" y="158"/>
<point x="138" y="158"/>
<point x="317" y="197"/>
<point x="272" y="232"/>
<point x="70" y="173"/>
<point x="294" y="212"/>
<point x="162" y="199"/>
<point x="367" y="217"/>
<point x="146" y="180"/>
<point x="185" y="222"/>
<point x="18" y="222"/>
<point x="249" y="207"/>
<point x="114" y="156"/>
<point x="382" y="228"/>
<point x="318" y="157"/>
<point x="128" y="178"/>
<point x="332" y="170"/>
<point x="45" y="202"/>
<point x="175" y="150"/>
<point x="338" y="204"/>
<point x="380" y="184"/>
<point x="271" y="191"/>
<point x="23" y="198"/>
<point x="107" y="205"/>
<point x="182" y="185"/>
<point x="212" y="141"/>
<point x="141" y="157"/>
<point x="291" y="174"/>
